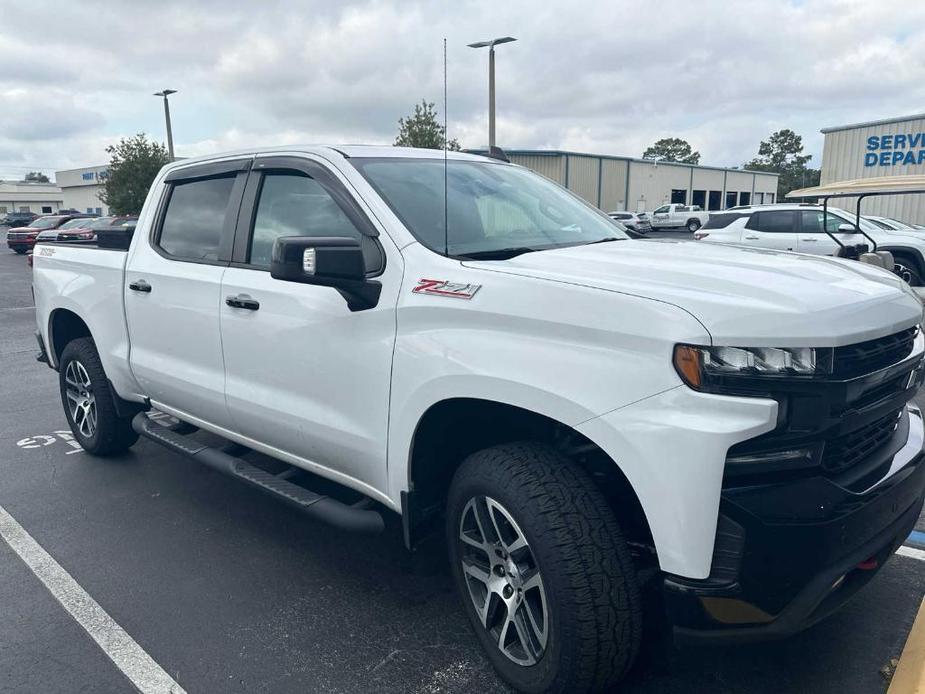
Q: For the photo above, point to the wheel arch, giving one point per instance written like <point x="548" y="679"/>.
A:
<point x="453" y="428"/>
<point x="64" y="325"/>
<point x="907" y="252"/>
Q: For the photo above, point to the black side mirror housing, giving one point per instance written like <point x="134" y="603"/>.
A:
<point x="328" y="261"/>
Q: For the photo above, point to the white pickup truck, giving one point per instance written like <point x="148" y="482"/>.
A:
<point x="591" y="419"/>
<point x="675" y="216"/>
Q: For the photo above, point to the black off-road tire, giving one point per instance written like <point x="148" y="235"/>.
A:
<point x="112" y="434"/>
<point x="592" y="593"/>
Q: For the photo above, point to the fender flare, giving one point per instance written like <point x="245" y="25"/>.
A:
<point x="907" y="251"/>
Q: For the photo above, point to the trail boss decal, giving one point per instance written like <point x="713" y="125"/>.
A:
<point x="456" y="290"/>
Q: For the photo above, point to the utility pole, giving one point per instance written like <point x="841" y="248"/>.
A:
<point x="491" y="81"/>
<point x="165" y="93"/>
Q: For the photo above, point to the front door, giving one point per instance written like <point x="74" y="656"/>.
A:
<point x="771" y="229"/>
<point x="304" y="374"/>
<point x="173" y="288"/>
<point x="814" y="240"/>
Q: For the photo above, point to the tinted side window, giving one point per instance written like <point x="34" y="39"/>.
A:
<point x="721" y="221"/>
<point x="195" y="217"/>
<point x="292" y="204"/>
<point x="774" y="222"/>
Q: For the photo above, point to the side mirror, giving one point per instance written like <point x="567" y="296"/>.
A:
<point x="330" y="261"/>
<point x="847" y="229"/>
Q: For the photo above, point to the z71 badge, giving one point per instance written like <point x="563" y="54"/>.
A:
<point x="455" y="290"/>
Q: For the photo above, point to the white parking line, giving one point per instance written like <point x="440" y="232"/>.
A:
<point x="128" y="656"/>
<point x="911" y="552"/>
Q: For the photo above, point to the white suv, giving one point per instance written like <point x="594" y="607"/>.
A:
<point x="798" y="227"/>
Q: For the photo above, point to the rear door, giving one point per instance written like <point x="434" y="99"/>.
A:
<point x="173" y="290"/>
<point x="304" y="374"/>
<point x="772" y="229"/>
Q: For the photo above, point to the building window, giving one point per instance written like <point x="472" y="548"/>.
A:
<point x="679" y="196"/>
<point x="3" y="209"/>
<point x="715" y="198"/>
<point x="699" y="198"/>
<point x="745" y="198"/>
<point x="759" y="199"/>
<point x="46" y="209"/>
<point x="98" y="210"/>
<point x="769" y="198"/>
<point x="730" y="199"/>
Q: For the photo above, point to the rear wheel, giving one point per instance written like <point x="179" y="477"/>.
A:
<point x="544" y="572"/>
<point x="19" y="251"/>
<point x="693" y="225"/>
<point x="88" y="401"/>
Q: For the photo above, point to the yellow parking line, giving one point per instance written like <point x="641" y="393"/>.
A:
<point x="910" y="673"/>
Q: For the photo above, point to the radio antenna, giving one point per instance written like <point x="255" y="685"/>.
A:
<point x="446" y="213"/>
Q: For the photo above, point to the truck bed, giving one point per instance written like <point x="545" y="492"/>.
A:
<point x="91" y="281"/>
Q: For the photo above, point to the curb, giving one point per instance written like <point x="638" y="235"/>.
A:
<point x="909" y="677"/>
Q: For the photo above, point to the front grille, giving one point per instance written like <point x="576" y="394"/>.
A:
<point x="870" y="356"/>
<point x="846" y="451"/>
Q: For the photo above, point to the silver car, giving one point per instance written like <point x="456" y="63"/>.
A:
<point x="637" y="221"/>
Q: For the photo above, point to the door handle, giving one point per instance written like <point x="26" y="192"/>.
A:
<point x="809" y="240"/>
<point x="752" y="238"/>
<point x="140" y="286"/>
<point x="242" y="301"/>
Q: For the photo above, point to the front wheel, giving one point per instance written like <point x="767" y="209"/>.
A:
<point x="693" y="225"/>
<point x="908" y="272"/>
<point x="545" y="575"/>
<point x="88" y="401"/>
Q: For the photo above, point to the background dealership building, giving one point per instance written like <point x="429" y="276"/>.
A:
<point x="889" y="147"/>
<point x="640" y="185"/>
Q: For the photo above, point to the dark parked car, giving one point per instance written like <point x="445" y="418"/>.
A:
<point x="21" y="239"/>
<point x="17" y="219"/>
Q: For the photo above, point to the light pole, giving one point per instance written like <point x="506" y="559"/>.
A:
<point x="165" y="93"/>
<point x="491" y="81"/>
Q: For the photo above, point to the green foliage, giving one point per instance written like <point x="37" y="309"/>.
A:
<point x="421" y="129"/>
<point x="133" y="164"/>
<point x="672" y="149"/>
<point x="36" y="177"/>
<point x="782" y="153"/>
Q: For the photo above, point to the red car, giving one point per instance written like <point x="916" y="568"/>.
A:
<point x="22" y="239"/>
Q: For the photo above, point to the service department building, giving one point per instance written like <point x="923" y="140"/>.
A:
<point x="889" y="147"/>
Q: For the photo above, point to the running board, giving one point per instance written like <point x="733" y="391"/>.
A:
<point x="354" y="518"/>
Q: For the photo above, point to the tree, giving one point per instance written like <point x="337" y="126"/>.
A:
<point x="36" y="177"/>
<point x="672" y="149"/>
<point x="421" y="129"/>
<point x="133" y="164"/>
<point x="782" y="153"/>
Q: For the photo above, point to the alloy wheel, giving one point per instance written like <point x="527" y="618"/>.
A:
<point x="81" y="400"/>
<point x="504" y="580"/>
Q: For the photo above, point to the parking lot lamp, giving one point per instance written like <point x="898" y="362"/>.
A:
<point x="491" y="81"/>
<point x="165" y="93"/>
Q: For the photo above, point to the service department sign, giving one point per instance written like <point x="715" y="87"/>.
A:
<point x="895" y="150"/>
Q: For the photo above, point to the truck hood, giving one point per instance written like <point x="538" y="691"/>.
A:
<point x="743" y="296"/>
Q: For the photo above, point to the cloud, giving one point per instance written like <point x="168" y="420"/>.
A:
<point x="605" y="77"/>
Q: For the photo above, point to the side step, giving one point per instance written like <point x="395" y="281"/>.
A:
<point x="354" y="518"/>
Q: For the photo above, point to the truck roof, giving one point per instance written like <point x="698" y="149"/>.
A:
<point x="344" y="150"/>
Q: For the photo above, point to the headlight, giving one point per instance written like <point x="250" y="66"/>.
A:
<point x="704" y="367"/>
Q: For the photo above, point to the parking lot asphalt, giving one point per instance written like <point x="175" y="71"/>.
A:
<point x="229" y="590"/>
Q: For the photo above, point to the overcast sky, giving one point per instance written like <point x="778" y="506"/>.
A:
<point x="604" y="77"/>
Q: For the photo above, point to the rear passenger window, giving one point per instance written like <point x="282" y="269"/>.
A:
<point x="194" y="218"/>
<point x="778" y="221"/>
<point x="721" y="221"/>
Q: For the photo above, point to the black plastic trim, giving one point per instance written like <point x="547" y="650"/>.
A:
<point x="209" y="170"/>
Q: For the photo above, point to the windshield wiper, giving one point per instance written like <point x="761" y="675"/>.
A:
<point x="498" y="253"/>
<point x="607" y="240"/>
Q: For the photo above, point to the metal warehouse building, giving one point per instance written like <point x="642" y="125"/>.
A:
<point x="641" y="185"/>
<point x="889" y="147"/>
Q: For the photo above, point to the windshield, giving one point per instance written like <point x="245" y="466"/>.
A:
<point x="81" y="223"/>
<point x="493" y="210"/>
<point x="45" y="223"/>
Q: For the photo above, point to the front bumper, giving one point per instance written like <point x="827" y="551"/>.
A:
<point x="18" y="242"/>
<point x="787" y="554"/>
